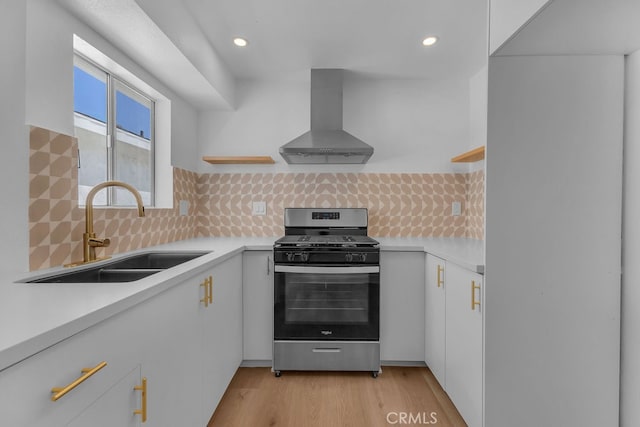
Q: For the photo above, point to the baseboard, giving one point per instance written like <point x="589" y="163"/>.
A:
<point x="269" y="363"/>
<point x="256" y="364"/>
<point x="419" y="363"/>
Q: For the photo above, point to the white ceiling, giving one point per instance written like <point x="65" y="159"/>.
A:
<point x="187" y="44"/>
<point x="580" y="27"/>
<point x="376" y="38"/>
<point x="380" y="38"/>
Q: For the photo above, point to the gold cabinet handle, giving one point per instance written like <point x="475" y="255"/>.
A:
<point x="474" y="303"/>
<point x="86" y="373"/>
<point x="207" y="284"/>
<point x="205" y="300"/>
<point x="210" y="279"/>
<point x="143" y="400"/>
<point x="440" y="279"/>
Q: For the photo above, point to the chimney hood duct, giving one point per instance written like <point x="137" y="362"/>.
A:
<point x="326" y="142"/>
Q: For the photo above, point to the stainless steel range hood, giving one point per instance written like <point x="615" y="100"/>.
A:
<point x="326" y="142"/>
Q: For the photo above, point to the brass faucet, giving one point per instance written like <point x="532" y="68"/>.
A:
<point x="89" y="240"/>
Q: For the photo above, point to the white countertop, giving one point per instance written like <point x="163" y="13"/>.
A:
<point x="35" y="316"/>
<point x="467" y="253"/>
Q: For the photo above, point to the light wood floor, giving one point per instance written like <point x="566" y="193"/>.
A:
<point x="256" y="398"/>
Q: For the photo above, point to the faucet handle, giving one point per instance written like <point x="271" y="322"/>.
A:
<point x="98" y="243"/>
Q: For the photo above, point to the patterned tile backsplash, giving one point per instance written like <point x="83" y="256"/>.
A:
<point x="400" y="205"/>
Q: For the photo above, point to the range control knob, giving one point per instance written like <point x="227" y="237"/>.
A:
<point x="363" y="256"/>
<point x="290" y="256"/>
<point x="348" y="257"/>
<point x="304" y="256"/>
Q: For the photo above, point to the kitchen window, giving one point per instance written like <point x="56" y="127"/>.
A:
<point x="114" y="125"/>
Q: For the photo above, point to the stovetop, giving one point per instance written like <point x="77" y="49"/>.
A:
<point x="346" y="241"/>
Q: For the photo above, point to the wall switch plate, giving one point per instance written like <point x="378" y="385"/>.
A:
<point x="259" y="208"/>
<point x="184" y="207"/>
<point x="456" y="208"/>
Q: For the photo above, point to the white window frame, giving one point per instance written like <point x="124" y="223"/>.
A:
<point x="163" y="170"/>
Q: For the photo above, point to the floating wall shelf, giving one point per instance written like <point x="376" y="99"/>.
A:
<point x="231" y="160"/>
<point x="470" y="156"/>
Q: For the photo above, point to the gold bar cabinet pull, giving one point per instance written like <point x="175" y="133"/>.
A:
<point x="143" y="400"/>
<point x="474" y="303"/>
<point x="205" y="285"/>
<point x="86" y="373"/>
<point x="440" y="271"/>
<point x="210" y="281"/>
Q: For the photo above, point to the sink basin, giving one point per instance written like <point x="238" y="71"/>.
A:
<point x="129" y="269"/>
<point x="154" y="260"/>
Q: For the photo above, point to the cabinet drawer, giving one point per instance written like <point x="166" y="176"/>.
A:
<point x="335" y="355"/>
<point x="26" y="386"/>
<point x="116" y="408"/>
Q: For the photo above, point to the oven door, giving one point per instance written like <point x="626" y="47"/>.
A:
<point x="327" y="302"/>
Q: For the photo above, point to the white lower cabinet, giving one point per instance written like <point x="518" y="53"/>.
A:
<point x="186" y="342"/>
<point x="90" y="365"/>
<point x="108" y="411"/>
<point x="193" y="345"/>
<point x="454" y="334"/>
<point x="221" y="332"/>
<point x="464" y="337"/>
<point x="257" y="305"/>
<point x="401" y="306"/>
<point x="434" y="319"/>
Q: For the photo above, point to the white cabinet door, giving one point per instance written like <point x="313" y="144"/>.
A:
<point x="221" y="333"/>
<point x="463" y="376"/>
<point x="434" y="314"/>
<point x="401" y="306"/>
<point x="171" y="355"/>
<point x="257" y="305"/>
<point x="116" y="407"/>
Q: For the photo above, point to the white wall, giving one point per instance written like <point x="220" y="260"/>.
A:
<point x="553" y="226"/>
<point x="49" y="77"/>
<point x="14" y="163"/>
<point x="184" y="135"/>
<point x="478" y="113"/>
<point x="630" y="350"/>
<point x="413" y="125"/>
<point x="507" y="17"/>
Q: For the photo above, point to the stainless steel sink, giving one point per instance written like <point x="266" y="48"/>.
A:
<point x="129" y="269"/>
<point x="154" y="260"/>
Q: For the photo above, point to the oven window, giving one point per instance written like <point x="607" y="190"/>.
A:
<point x="327" y="298"/>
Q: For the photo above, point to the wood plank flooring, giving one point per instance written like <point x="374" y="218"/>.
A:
<point x="256" y="398"/>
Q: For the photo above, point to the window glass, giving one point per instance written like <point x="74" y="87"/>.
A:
<point x="90" y="121"/>
<point x="105" y="106"/>
<point x="133" y="151"/>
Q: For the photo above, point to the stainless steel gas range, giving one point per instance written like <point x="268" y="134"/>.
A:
<point x="326" y="292"/>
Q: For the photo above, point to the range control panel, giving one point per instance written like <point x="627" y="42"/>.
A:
<point x="325" y="215"/>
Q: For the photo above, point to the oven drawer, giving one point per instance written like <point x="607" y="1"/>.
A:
<point x="326" y="356"/>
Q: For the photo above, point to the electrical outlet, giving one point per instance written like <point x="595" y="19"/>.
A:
<point x="456" y="208"/>
<point x="184" y="207"/>
<point x="259" y="208"/>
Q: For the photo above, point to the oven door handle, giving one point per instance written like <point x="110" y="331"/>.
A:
<point x="326" y="270"/>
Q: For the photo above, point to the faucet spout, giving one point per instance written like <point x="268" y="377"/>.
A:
<point x="89" y="240"/>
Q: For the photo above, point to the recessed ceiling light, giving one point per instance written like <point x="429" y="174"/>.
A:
<point x="239" y="41"/>
<point x="430" y="41"/>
